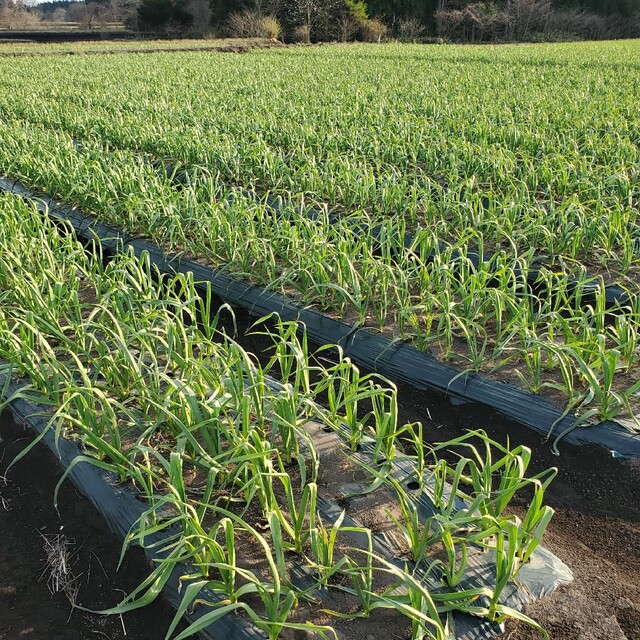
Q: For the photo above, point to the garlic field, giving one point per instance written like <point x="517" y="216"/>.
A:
<point x="477" y="203"/>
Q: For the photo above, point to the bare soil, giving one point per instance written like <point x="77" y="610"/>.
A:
<point x="28" y="610"/>
<point x="228" y="46"/>
<point x="595" y="531"/>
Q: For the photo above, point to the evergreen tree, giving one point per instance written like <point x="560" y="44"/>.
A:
<point x="160" y="16"/>
<point x="222" y="9"/>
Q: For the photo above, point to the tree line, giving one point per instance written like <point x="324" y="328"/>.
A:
<point x="344" y="20"/>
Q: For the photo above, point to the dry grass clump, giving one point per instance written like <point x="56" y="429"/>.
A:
<point x="58" y="566"/>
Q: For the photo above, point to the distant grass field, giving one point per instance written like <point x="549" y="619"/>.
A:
<point x="526" y="156"/>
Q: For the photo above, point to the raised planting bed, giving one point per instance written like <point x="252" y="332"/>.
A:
<point x="255" y="494"/>
<point x="395" y="360"/>
<point x="120" y="508"/>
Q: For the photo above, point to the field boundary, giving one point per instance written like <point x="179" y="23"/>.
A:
<point x="398" y="361"/>
<point x="240" y="47"/>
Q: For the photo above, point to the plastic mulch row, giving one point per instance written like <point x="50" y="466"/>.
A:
<point x="121" y="509"/>
<point x="398" y="361"/>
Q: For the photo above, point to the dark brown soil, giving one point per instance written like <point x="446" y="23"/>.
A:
<point x="595" y="530"/>
<point x="28" y="610"/>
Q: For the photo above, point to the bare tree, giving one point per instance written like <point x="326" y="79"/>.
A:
<point x="245" y="24"/>
<point x="345" y="27"/>
<point x="120" y="10"/>
<point x="268" y="7"/>
<point x="527" y="16"/>
<point x="410" y="30"/>
<point x="315" y="16"/>
<point x="16" y="15"/>
<point x="96" y="15"/>
<point x="59" y="15"/>
<point x="441" y="8"/>
<point x="76" y="12"/>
